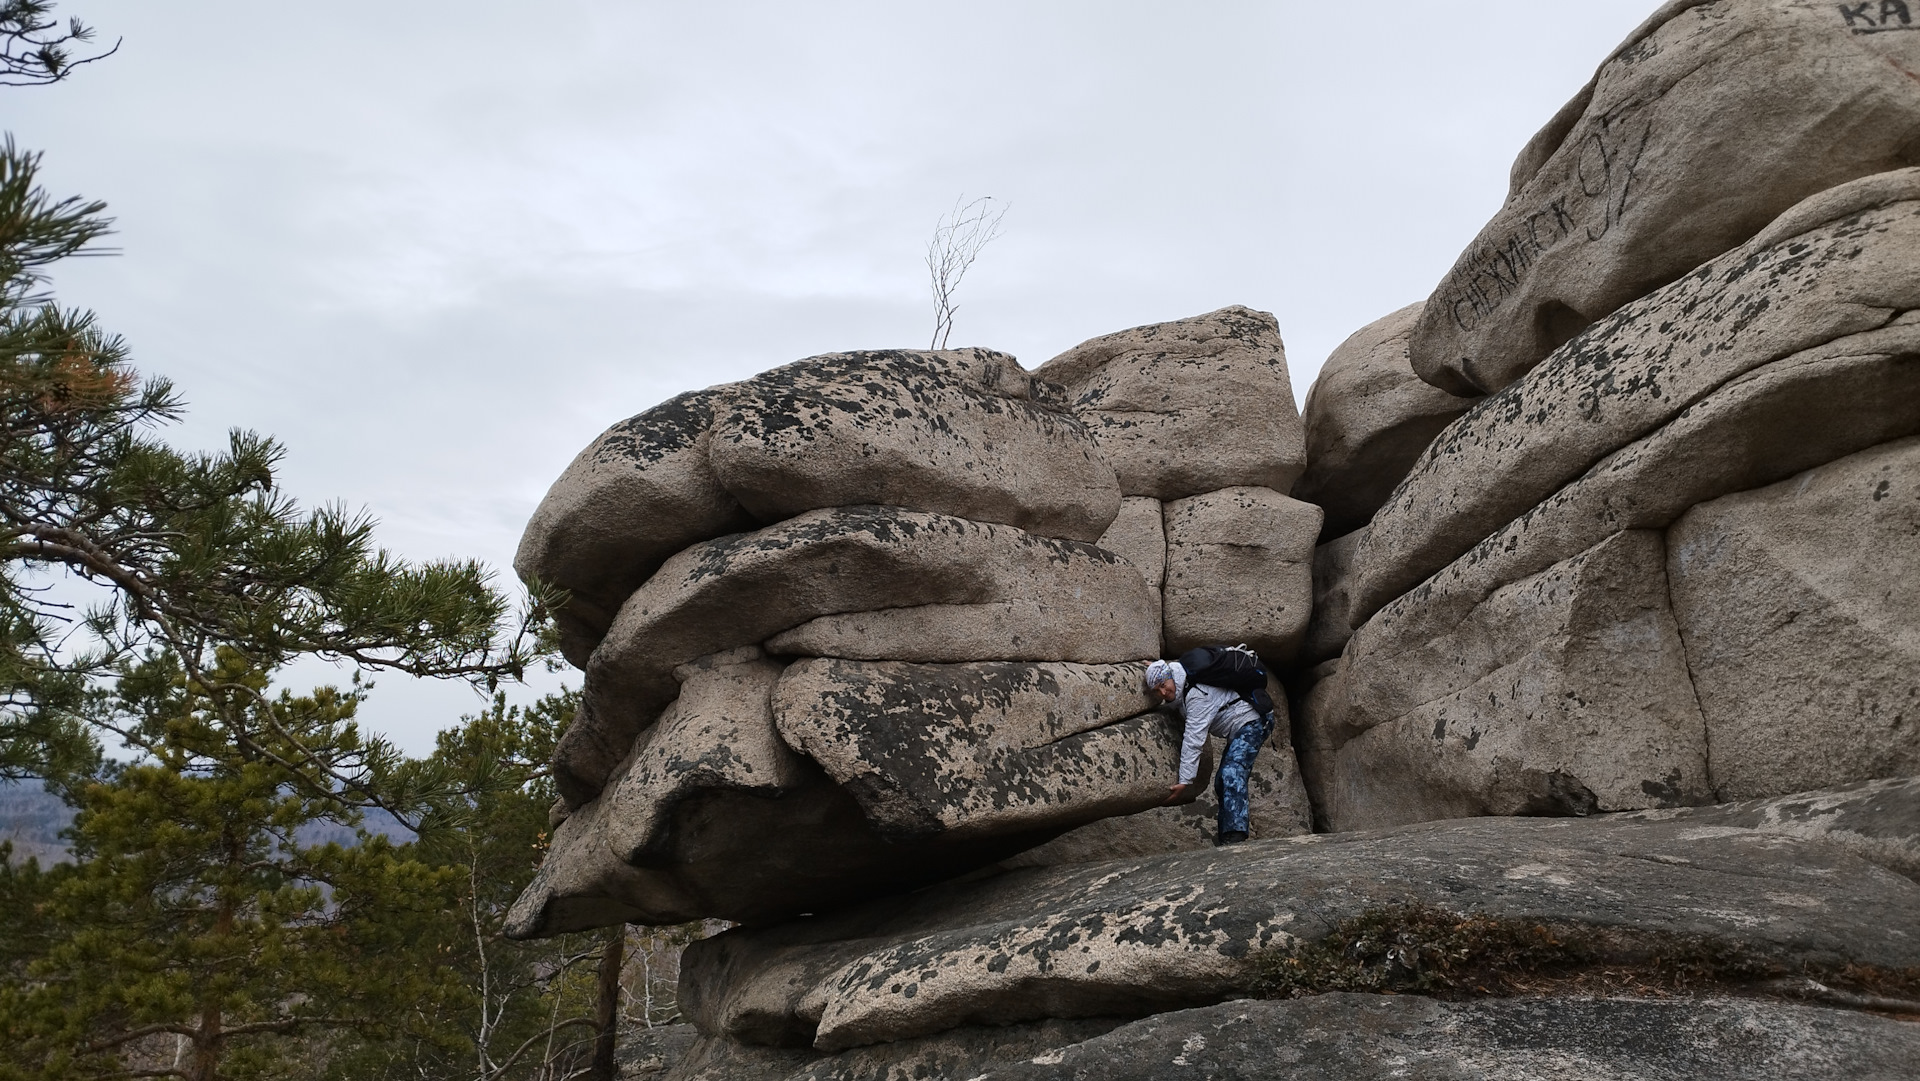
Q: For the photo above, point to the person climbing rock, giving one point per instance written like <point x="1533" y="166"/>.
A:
<point x="1221" y="691"/>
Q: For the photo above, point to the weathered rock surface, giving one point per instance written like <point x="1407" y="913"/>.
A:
<point x="1190" y="406"/>
<point x="1136" y="937"/>
<point x="1566" y="692"/>
<point x="958" y="432"/>
<point x="640" y="492"/>
<point x="1368" y="417"/>
<point x="745" y="589"/>
<point x="1819" y="283"/>
<point x="1638" y="180"/>
<point x="1799" y="604"/>
<point x="949" y="1056"/>
<point x="1139" y="536"/>
<point x="1878" y="821"/>
<point x="964" y="432"/>
<point x="1346" y="1037"/>
<point x="979" y="749"/>
<point x="1276" y="798"/>
<point x="1240" y="569"/>
<point x="1330" y="624"/>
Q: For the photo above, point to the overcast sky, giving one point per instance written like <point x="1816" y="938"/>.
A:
<point x="435" y="252"/>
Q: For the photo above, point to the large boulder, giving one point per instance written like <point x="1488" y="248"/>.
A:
<point x="1799" y="604"/>
<point x="1565" y="692"/>
<point x="966" y="750"/>
<point x="1368" y="417"/>
<point x="1276" y="800"/>
<point x="965" y="432"/>
<point x="1139" y="536"/>
<point x="642" y="491"/>
<point x="1641" y="177"/>
<point x="1190" y="406"/>
<point x="1348" y="1037"/>
<point x="1136" y="937"/>
<point x="1331" y="622"/>
<point x="1829" y="280"/>
<point x="1239" y="569"/>
<point x="748" y="588"/>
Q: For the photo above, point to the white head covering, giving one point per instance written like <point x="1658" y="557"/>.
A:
<point x="1164" y="670"/>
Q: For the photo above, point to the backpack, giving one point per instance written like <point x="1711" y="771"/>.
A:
<point x="1232" y="668"/>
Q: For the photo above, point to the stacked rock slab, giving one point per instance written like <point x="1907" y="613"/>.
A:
<point x="1709" y="121"/>
<point x="919" y="665"/>
<point x="1199" y="414"/>
<point x="1798" y="349"/>
<point x="1368" y="417"/>
<point x="1820" y="877"/>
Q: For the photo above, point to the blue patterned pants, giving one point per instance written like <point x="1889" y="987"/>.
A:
<point x="1235" y="763"/>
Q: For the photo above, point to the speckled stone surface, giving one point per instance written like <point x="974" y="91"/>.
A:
<point x="1344" y="1037"/>
<point x="978" y="749"/>
<point x="1368" y="417"/>
<point x="1136" y="937"/>
<point x="1639" y="179"/>
<point x="1566" y="692"/>
<point x="1239" y="570"/>
<point x="966" y="432"/>
<point x="1190" y="406"/>
<point x="1800" y="609"/>
<point x="1817" y="283"/>
<point x="745" y="589"/>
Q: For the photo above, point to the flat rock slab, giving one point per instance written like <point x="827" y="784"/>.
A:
<point x="1816" y="282"/>
<point x="1368" y="417"/>
<point x="1799" y="604"/>
<point x="1190" y="406"/>
<point x="1139" y="937"/>
<point x="1566" y="692"/>
<point x="977" y="749"/>
<point x="1346" y="1037"/>
<point x="641" y="491"/>
<point x="1637" y="180"/>
<point x="964" y="431"/>
<point x="1239" y="570"/>
<point x="959" y="432"/>
<point x="745" y="589"/>
<point x="949" y="1056"/>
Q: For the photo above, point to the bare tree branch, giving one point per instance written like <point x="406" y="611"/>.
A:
<point x="957" y="240"/>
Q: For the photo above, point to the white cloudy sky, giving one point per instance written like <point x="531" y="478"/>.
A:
<point x="437" y="251"/>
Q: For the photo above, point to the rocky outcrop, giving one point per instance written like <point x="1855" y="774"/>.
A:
<point x="1831" y="280"/>
<point x="1638" y="180"/>
<point x="980" y="749"/>
<point x="1191" y="406"/>
<point x="1566" y="692"/>
<point x="1800" y="610"/>
<point x="1240" y="569"/>
<point x="925" y="585"/>
<point x="1367" y="419"/>
<point x="964" y="432"/>
<point x="1132" y="938"/>
<point x="1346" y="1037"/>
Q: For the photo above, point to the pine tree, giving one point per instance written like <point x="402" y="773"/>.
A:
<point x="199" y="933"/>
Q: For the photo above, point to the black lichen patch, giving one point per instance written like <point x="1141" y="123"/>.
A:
<point x="668" y="428"/>
<point x="1420" y="949"/>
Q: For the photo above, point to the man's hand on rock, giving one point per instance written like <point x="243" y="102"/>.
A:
<point x="1178" y="794"/>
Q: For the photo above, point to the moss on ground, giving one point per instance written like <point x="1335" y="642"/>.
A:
<point x="1418" y="949"/>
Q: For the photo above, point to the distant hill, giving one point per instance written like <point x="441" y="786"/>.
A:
<point x="31" y="819"/>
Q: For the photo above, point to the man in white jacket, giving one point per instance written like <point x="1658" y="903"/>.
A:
<point x="1215" y="711"/>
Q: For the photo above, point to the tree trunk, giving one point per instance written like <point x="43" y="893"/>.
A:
<point x="607" y="1011"/>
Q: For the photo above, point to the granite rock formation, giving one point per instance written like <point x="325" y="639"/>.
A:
<point x="1640" y="178"/>
<point x="929" y="659"/>
<point x="1589" y="586"/>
